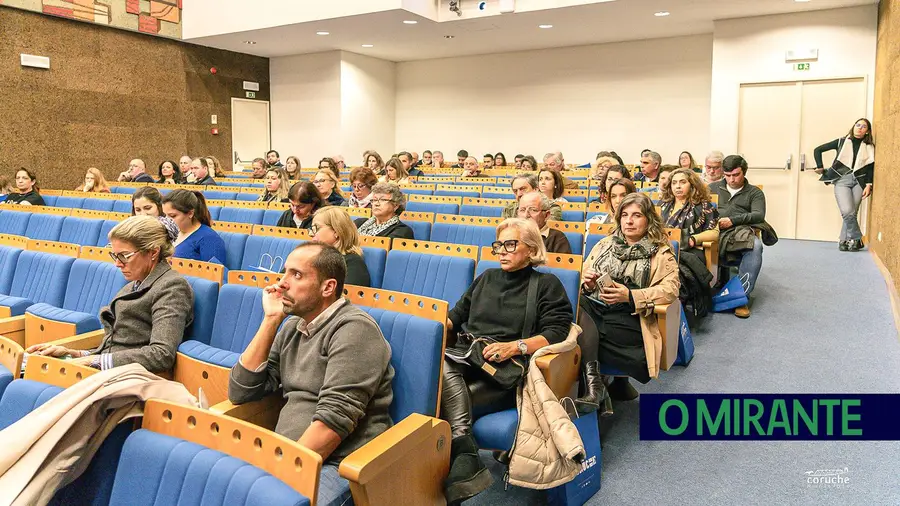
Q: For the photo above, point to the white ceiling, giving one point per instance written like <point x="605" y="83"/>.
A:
<point x="593" y="23"/>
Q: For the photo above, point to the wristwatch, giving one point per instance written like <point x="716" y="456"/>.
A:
<point x="523" y="348"/>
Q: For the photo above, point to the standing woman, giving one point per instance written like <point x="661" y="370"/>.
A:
<point x="551" y="184"/>
<point x="94" y="182"/>
<point x="277" y="186"/>
<point x="196" y="240"/>
<point x="329" y="187"/>
<point x="170" y="173"/>
<point x="851" y="175"/>
<point x="292" y="167"/>
<point x="28" y="193"/>
<point x="334" y="227"/>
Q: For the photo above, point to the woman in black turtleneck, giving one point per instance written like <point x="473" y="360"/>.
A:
<point x="851" y="175"/>
<point x="494" y="306"/>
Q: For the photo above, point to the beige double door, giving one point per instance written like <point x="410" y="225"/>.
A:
<point x="780" y="124"/>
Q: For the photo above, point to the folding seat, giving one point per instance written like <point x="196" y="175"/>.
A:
<point x="247" y="197"/>
<point x="9" y="256"/>
<point x="506" y="194"/>
<point x="39" y="277"/>
<point x="234" y="248"/>
<point x="271" y="217"/>
<point x="127" y="190"/>
<point x="460" y="191"/>
<point x="475" y="231"/>
<point x="206" y="297"/>
<point x="435" y="208"/>
<point x="14" y="222"/>
<point x="440" y="271"/>
<point x="122" y="206"/>
<point x="44" y="227"/>
<point x="219" y="194"/>
<point x="417" y="191"/>
<point x="241" y="215"/>
<point x="50" y="200"/>
<point x="276" y="247"/>
<point x="375" y="250"/>
<point x="72" y="202"/>
<point x="105" y="229"/>
<point x="573" y="216"/>
<point x="81" y="231"/>
<point x="11" y="354"/>
<point x="98" y="204"/>
<point x="214" y="212"/>
<point x="487" y="211"/>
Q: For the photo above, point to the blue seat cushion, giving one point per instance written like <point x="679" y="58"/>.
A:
<point x="158" y="469"/>
<point x="16" y="305"/>
<point x="496" y="431"/>
<point x="22" y="397"/>
<point x="208" y="354"/>
<point x="441" y="277"/>
<point x="473" y="235"/>
<point x="84" y="322"/>
<point x="6" y="376"/>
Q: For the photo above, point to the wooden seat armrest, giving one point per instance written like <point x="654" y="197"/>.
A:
<point x="13" y="328"/>
<point x="406" y="464"/>
<point x="711" y="251"/>
<point x="561" y="371"/>
<point x="669" y="321"/>
<point x="87" y="341"/>
<point x="263" y="413"/>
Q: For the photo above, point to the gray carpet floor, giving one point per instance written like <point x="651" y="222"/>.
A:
<point x="821" y="323"/>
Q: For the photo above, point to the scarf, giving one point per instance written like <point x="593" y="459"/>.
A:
<point x="865" y="156"/>
<point x="372" y="228"/>
<point x="694" y="218"/>
<point x="626" y="264"/>
<point x="364" y="202"/>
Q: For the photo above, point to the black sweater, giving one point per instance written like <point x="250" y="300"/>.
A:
<point x="494" y="306"/>
<point x="864" y="175"/>
<point x="287" y="220"/>
<point x="34" y="198"/>
<point x="357" y="272"/>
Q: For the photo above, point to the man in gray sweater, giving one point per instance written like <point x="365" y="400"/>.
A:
<point x="330" y="358"/>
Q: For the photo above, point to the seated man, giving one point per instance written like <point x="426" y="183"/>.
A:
<point x="136" y="173"/>
<point x="330" y="358"/>
<point x="488" y="161"/>
<point x="273" y="159"/>
<point x="742" y="210"/>
<point x="260" y="168"/>
<point x="406" y="159"/>
<point x="471" y="168"/>
<point x="461" y="156"/>
<point x="535" y="206"/>
<point x="650" y="163"/>
<point x="556" y="163"/>
<point x="199" y="173"/>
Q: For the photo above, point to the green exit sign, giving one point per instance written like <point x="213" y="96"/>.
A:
<point x="801" y="66"/>
<point x="252" y="94"/>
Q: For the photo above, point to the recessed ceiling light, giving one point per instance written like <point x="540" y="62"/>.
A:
<point x="661" y="14"/>
<point x="323" y="33"/>
<point x="545" y="26"/>
<point x="410" y="22"/>
<point x="368" y="45"/>
<point x="449" y="36"/>
<point x="251" y="42"/>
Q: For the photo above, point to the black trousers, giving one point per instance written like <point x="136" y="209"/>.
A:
<point x="614" y="338"/>
<point x="467" y="394"/>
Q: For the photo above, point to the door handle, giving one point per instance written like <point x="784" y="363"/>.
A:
<point x="802" y="162"/>
<point x="787" y="164"/>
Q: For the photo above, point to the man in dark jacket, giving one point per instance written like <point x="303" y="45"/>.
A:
<point x="742" y="210"/>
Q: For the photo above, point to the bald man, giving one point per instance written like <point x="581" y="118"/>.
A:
<point x="136" y="173"/>
<point x="535" y="206"/>
<point x="470" y="167"/>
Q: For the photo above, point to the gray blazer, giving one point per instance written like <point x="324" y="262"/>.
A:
<point x="146" y="325"/>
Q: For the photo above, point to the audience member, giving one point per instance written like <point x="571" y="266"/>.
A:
<point x="215" y="167"/>
<point x="394" y="172"/>
<point x="686" y="161"/>
<point x="387" y="205"/>
<point x="650" y="163"/>
<point x="437" y="160"/>
<point x="500" y="160"/>
<point x="28" y="193"/>
<point x="330" y="359"/>
<point x="94" y="182"/>
<point x="461" y="156"/>
<point x="273" y="159"/>
<point x="427" y="159"/>
<point x="339" y="163"/>
<point x="611" y="174"/>
<point x="260" y="167"/>
<point x="329" y="187"/>
<point x="329" y="164"/>
<point x="556" y="163"/>
<point x="413" y="162"/>
<point x="493" y="306"/>
<point x="362" y="179"/>
<point x="199" y="173"/>
<point x="170" y="173"/>
<point x="305" y="201"/>
<point x="147" y="201"/>
<point x="196" y="239"/>
<point x="535" y="206"/>
<point x="471" y="168"/>
<point x="136" y="173"/>
<point x="518" y="159"/>
<point x="550" y="183"/>
<point x="145" y="322"/>
<point x="665" y="176"/>
<point x="414" y="159"/>
<point x="600" y="166"/>
<point x="488" y="161"/>
<point x="529" y="163"/>
<point x="277" y="186"/>
<point x="617" y="191"/>
<point x="617" y="157"/>
<point x="375" y="163"/>
<point x="334" y="227"/>
<point x="713" y="167"/>
<point x="522" y="184"/>
<point x="690" y="209"/>
<point x="742" y="211"/>
<point x="5" y="189"/>
<point x="292" y="167"/>
<point x="619" y="326"/>
<point x="184" y="163"/>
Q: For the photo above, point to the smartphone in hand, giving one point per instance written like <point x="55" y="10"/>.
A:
<point x="605" y="281"/>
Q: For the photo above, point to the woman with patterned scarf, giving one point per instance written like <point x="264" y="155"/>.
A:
<point x="688" y="207"/>
<point x="625" y="276"/>
<point x="387" y="205"/>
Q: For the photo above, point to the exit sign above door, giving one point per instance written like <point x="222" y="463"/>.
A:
<point x="801" y="66"/>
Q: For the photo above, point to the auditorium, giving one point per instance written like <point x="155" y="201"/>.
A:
<point x="449" y="252"/>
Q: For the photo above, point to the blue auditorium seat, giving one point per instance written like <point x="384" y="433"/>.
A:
<point x="247" y="197"/>
<point x="258" y="245"/>
<point x="229" y="184"/>
<point x="103" y="238"/>
<point x="590" y="241"/>
<point x="81" y="231"/>
<point x="14" y="222"/>
<point x="6" y="377"/>
<point x="474" y="235"/>
<point x="9" y="256"/>
<point x="237" y="318"/>
<point x="72" y="202"/>
<point x="456" y="193"/>
<point x="375" y="259"/>
<point x="271" y="216"/>
<point x="127" y="190"/>
<point x="206" y="297"/>
<point x="22" y="397"/>
<point x="234" y="248"/>
<point x="39" y="277"/>
<point x="576" y="242"/>
<point x="489" y="211"/>
<point x="49" y="200"/>
<point x="98" y="204"/>
<point x="241" y="215"/>
<point x="576" y="198"/>
<point x="219" y="195"/>
<point x="573" y="216"/>
<point x="441" y="277"/>
<point x="428" y="207"/>
<point x="505" y="195"/>
<point x="45" y="227"/>
<point x="421" y="229"/>
<point x="90" y="286"/>
<point x="417" y="191"/>
<point x="122" y="206"/>
<point x="570" y="279"/>
<point x="214" y="212"/>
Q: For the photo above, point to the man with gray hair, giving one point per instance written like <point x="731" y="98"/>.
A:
<point x="522" y="184"/>
<point x="713" y="171"/>
<point x="556" y="163"/>
<point x="649" y="172"/>
<point x="470" y="167"/>
<point x="535" y="206"/>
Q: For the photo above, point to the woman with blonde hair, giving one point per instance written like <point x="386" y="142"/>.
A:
<point x="329" y="187"/>
<point x="333" y="226"/>
<point x="277" y="186"/>
<point x="600" y="166"/>
<point x="394" y="172"/>
<point x="688" y="206"/>
<point x="215" y="167"/>
<point x="94" y="182"/>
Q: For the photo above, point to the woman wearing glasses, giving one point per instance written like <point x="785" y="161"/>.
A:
<point x="146" y="320"/>
<point x="333" y="226"/>
<point x="362" y="179"/>
<point x="305" y="201"/>
<point x="329" y="188"/>
<point x="387" y="205"/>
<point x="494" y="306"/>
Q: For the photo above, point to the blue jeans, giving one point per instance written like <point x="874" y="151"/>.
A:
<point x="848" y="194"/>
<point x="333" y="490"/>
<point x="751" y="263"/>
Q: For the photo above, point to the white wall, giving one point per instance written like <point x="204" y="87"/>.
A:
<point x="306" y="106"/>
<point x="367" y="106"/>
<point x="752" y="50"/>
<point x="625" y="97"/>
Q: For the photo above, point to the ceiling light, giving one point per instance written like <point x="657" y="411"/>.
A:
<point x="801" y="1"/>
<point x="251" y="42"/>
<point x="661" y="14"/>
<point x="545" y="26"/>
<point x="410" y="22"/>
<point x="323" y="33"/>
<point x="449" y="36"/>
<point x="368" y="45"/>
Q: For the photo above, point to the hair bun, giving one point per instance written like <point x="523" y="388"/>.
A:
<point x="171" y="227"/>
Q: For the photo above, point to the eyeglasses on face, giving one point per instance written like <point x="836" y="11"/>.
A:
<point x="314" y="229"/>
<point x="359" y="186"/>
<point x="510" y="246"/>
<point x="381" y="201"/>
<point x="122" y="257"/>
<point x="530" y="210"/>
<point x="317" y="181"/>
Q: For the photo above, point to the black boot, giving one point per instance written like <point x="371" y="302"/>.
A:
<point x="620" y="389"/>
<point x="842" y="245"/>
<point x="595" y="397"/>
<point x="468" y="476"/>
<point x="855" y="245"/>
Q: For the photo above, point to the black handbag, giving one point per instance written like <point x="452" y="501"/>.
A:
<point x="469" y="349"/>
<point x="837" y="170"/>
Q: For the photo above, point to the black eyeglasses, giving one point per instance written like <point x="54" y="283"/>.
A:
<point x="122" y="258"/>
<point x="510" y="246"/>
<point x="314" y="229"/>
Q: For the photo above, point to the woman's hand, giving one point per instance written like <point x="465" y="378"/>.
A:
<point x="819" y="170"/>
<point x="50" y="350"/>
<point x="867" y="192"/>
<point x="589" y="278"/>
<point x="499" y="352"/>
<point x="615" y="294"/>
